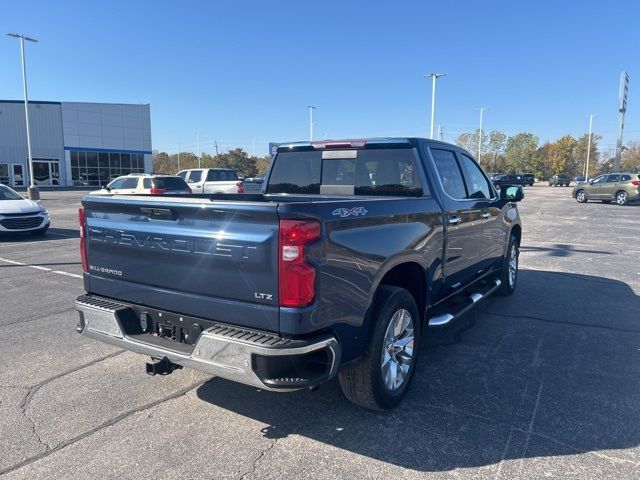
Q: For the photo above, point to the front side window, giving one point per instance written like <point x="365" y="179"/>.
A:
<point x="116" y="184"/>
<point x="477" y="184"/>
<point x="213" y="176"/>
<point x="449" y="173"/>
<point x="183" y="174"/>
<point x="599" y="179"/>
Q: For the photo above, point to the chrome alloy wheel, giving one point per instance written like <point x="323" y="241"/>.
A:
<point x="513" y="265"/>
<point x="581" y="197"/>
<point x="621" y="198"/>
<point x="397" y="350"/>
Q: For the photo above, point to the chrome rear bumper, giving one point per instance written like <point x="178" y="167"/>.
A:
<point x="223" y="351"/>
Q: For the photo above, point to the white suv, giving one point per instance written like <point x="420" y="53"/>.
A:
<point x="144" y="184"/>
<point x="212" y="180"/>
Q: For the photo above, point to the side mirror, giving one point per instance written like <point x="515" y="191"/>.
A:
<point x="107" y="188"/>
<point x="590" y="182"/>
<point x="512" y="193"/>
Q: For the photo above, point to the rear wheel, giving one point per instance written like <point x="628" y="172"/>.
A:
<point x="381" y="377"/>
<point x="581" y="196"/>
<point x="622" y="198"/>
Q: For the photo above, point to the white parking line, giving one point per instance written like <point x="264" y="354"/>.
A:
<point x="38" y="267"/>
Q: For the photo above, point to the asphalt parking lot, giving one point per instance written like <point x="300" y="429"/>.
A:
<point x="540" y="384"/>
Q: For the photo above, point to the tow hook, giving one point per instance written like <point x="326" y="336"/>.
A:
<point x="161" y="366"/>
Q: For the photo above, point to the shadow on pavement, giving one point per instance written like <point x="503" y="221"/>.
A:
<point x="52" y="234"/>
<point x="549" y="371"/>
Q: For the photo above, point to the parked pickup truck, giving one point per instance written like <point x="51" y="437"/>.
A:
<point x="351" y="252"/>
<point x="212" y="180"/>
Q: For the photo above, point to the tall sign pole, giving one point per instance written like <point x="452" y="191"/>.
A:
<point x="622" y="108"/>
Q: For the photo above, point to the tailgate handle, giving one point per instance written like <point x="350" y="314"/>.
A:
<point x="159" y="213"/>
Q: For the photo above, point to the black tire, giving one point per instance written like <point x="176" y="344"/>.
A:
<point x="362" y="381"/>
<point x="581" y="198"/>
<point x="39" y="233"/>
<point x="622" y="198"/>
<point x="508" y="283"/>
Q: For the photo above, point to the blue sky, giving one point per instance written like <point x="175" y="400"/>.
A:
<point x="242" y="70"/>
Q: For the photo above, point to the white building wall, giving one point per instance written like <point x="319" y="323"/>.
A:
<point x="45" y="128"/>
<point x="105" y="126"/>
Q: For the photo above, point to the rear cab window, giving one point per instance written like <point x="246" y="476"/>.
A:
<point x="371" y="171"/>
<point x="170" y="183"/>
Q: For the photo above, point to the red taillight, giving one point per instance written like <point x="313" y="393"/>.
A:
<point x="83" y="240"/>
<point x="297" y="278"/>
<point x="240" y="186"/>
<point x="157" y="191"/>
<point x="636" y="183"/>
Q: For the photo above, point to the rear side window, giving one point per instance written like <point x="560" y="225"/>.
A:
<point x="449" y="173"/>
<point x="195" y="176"/>
<point x="625" y="178"/>
<point x="613" y="178"/>
<point x="170" y="183"/>
<point x="129" y="183"/>
<point x="146" y="183"/>
<point x="346" y="172"/>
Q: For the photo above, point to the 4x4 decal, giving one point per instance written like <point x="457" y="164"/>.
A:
<point x="348" y="212"/>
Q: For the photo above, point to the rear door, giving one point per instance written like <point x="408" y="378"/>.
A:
<point x="611" y="186"/>
<point x="215" y="260"/>
<point x="463" y="221"/>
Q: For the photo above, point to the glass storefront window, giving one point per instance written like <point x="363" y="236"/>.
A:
<point x="99" y="168"/>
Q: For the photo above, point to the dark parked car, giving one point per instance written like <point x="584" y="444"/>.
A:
<point x="512" y="179"/>
<point x="354" y="249"/>
<point x="529" y="179"/>
<point x="559" y="180"/>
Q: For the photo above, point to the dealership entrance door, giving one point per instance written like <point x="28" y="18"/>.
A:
<point x="18" y="174"/>
<point x="46" y="171"/>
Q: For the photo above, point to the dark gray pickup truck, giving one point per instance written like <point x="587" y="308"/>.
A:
<point x="350" y="252"/>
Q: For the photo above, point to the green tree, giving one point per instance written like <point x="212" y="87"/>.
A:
<point x="581" y="153"/>
<point x="495" y="152"/>
<point x="520" y="151"/>
<point x="630" y="160"/>
<point x="562" y="157"/>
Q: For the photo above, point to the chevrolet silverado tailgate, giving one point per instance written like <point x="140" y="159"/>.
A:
<point x="214" y="259"/>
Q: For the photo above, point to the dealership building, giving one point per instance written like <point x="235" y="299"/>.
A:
<point x="73" y="143"/>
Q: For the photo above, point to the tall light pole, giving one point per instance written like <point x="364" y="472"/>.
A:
<point x="311" y="109"/>
<point x="586" y="172"/>
<point x="434" y="77"/>
<point x="622" y="108"/>
<point x="198" y="135"/>
<point x="482" y="109"/>
<point x="34" y="193"/>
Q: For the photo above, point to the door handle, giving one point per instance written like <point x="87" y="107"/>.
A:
<point x="486" y="215"/>
<point x="454" y="220"/>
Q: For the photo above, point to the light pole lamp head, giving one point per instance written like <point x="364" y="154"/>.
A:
<point x="24" y="37"/>
<point x="435" y="75"/>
